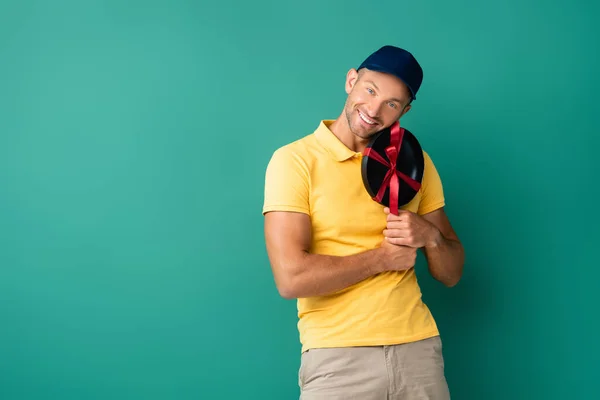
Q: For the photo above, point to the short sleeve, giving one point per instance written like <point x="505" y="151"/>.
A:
<point x="286" y="183"/>
<point x="432" y="191"/>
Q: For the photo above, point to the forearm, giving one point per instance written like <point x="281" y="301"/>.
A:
<point x="445" y="258"/>
<point x="318" y="275"/>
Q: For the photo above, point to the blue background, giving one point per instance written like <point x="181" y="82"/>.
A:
<point x="133" y="142"/>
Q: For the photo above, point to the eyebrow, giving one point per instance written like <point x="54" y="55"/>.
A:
<point x="372" y="83"/>
<point x="375" y="86"/>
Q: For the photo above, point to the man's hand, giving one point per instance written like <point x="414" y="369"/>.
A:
<point x="436" y="238"/>
<point x="399" y="258"/>
<point x="410" y="229"/>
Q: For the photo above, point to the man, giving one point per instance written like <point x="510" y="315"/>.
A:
<point x="365" y="331"/>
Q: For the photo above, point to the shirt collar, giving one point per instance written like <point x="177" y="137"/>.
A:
<point x="338" y="150"/>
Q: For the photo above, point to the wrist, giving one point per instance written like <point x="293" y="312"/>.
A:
<point x="381" y="263"/>
<point x="436" y="238"/>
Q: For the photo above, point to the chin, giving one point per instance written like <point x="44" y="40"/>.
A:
<point x="364" y="132"/>
<point x="363" y="135"/>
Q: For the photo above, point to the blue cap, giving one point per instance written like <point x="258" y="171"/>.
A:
<point x="398" y="62"/>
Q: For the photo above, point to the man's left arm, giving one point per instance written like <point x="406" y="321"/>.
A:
<point x="429" y="229"/>
<point x="444" y="252"/>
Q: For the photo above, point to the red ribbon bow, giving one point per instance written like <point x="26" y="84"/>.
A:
<point x="392" y="176"/>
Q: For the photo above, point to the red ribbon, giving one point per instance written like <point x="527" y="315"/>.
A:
<point x="392" y="176"/>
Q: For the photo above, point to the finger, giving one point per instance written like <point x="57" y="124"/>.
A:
<point x="397" y="225"/>
<point x="388" y="212"/>
<point x="399" y="233"/>
<point x="394" y="233"/>
<point x="399" y="241"/>
<point x="402" y="215"/>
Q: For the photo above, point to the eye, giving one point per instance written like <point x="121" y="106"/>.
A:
<point x="370" y="90"/>
<point x="393" y="105"/>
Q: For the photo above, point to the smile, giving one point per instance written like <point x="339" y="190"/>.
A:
<point x="364" y="118"/>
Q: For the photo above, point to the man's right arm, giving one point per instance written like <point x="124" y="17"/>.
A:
<point x="298" y="273"/>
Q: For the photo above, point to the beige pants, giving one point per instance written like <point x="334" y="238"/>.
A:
<point x="401" y="372"/>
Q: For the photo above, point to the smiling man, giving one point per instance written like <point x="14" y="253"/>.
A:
<point x="365" y="331"/>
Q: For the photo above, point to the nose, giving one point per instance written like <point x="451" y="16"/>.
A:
<point x="374" y="108"/>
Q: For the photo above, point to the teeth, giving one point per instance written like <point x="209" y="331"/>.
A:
<point x="367" y="120"/>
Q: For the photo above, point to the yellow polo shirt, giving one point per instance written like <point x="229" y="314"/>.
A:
<point x="320" y="176"/>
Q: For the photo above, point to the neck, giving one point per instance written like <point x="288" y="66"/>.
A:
<point x="341" y="130"/>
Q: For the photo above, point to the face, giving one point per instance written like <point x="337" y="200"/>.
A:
<point x="375" y="101"/>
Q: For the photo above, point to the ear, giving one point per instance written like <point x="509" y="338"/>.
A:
<point x="351" y="78"/>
